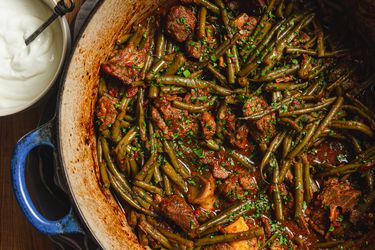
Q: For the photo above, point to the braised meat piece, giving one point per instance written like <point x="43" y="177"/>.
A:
<point x="245" y="24"/>
<point x="106" y="112"/>
<point x="126" y="64"/>
<point x="208" y="125"/>
<point x="181" y="22"/>
<point x="264" y="127"/>
<point x="197" y="49"/>
<point x="238" y="185"/>
<point x="174" y="123"/>
<point x="340" y="197"/>
<point x="177" y="210"/>
<point x="240" y="138"/>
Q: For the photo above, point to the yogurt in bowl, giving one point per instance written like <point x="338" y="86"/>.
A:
<point x="27" y="72"/>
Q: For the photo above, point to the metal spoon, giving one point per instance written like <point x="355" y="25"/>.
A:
<point x="60" y="9"/>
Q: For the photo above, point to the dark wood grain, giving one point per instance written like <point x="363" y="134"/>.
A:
<point x="15" y="231"/>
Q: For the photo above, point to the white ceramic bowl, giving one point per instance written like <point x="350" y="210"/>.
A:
<point x="61" y="36"/>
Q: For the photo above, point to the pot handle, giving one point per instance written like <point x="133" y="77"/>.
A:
<point x="39" y="137"/>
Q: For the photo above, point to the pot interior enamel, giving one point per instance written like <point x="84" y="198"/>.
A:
<point x="98" y="210"/>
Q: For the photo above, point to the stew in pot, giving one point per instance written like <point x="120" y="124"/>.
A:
<point x="238" y="125"/>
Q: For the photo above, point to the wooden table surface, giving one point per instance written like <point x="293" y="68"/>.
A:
<point x="15" y="231"/>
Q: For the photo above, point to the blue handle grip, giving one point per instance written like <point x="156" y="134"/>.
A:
<point x="39" y="137"/>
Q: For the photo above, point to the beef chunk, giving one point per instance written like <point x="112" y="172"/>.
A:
<point x="174" y="123"/>
<point x="264" y="127"/>
<point x="208" y="125"/>
<point x="177" y="210"/>
<point x="126" y="64"/>
<point x="339" y="197"/>
<point x="245" y="25"/>
<point x="197" y="49"/>
<point x="238" y="185"/>
<point x="181" y="22"/>
<point x="240" y="138"/>
<point x="107" y="112"/>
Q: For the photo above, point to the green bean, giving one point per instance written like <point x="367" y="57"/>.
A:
<point x="229" y="214"/>
<point x="258" y="36"/>
<point x="328" y="244"/>
<point x="126" y="140"/>
<point x="174" y="176"/>
<point x="230" y="67"/>
<point x="173" y="90"/>
<point x="150" y="188"/>
<point x="155" y="234"/>
<point x="194" y="108"/>
<point x="307" y="191"/>
<point x="224" y="15"/>
<point x="303" y="144"/>
<point x="271" y="150"/>
<point x="143" y="194"/>
<point x="244" y="160"/>
<point x="320" y="43"/>
<point x="124" y="38"/>
<point x="279" y="9"/>
<point x="227" y="45"/>
<point x="178" y="62"/>
<point x="220" y="120"/>
<point x="167" y="185"/>
<point x="176" y="238"/>
<point x="285" y="86"/>
<point x="155" y="69"/>
<point x="137" y="37"/>
<point x="126" y="195"/>
<point x="256" y="52"/>
<point x="102" y="165"/>
<point x="146" y="205"/>
<point x="173" y="158"/>
<point x="360" y="105"/>
<point x="160" y="44"/>
<point x="309" y="52"/>
<point x="298" y="174"/>
<point x="157" y="175"/>
<point x="285" y="166"/>
<point x="141" y="115"/>
<point x="112" y="168"/>
<point x="361" y="113"/>
<point x="351" y="167"/>
<point x="221" y="90"/>
<point x="290" y="123"/>
<point x="274" y="56"/>
<point x="352" y="125"/>
<point x="287" y="143"/>
<point x="326" y="121"/>
<point x="141" y="175"/>
<point x="246" y="235"/>
<point x="236" y="59"/>
<point x="276" y="190"/>
<point x="216" y="73"/>
<point x="183" y="82"/>
<point x="271" y="76"/>
<point x="308" y="110"/>
<point x="202" y="23"/>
